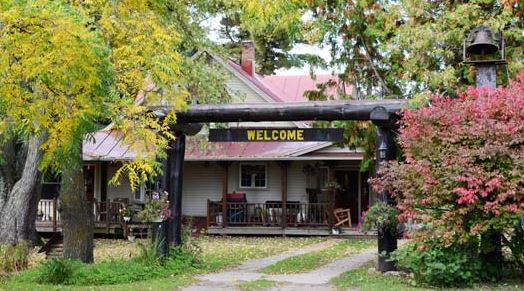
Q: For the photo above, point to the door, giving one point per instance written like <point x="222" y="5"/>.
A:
<point x="89" y="182"/>
<point x="347" y="194"/>
<point x="364" y="192"/>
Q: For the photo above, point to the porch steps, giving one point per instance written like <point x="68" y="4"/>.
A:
<point x="54" y="248"/>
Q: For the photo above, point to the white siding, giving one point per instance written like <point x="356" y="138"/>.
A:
<point x="242" y="93"/>
<point x="202" y="181"/>
<point x="296" y="182"/>
<point x="123" y="190"/>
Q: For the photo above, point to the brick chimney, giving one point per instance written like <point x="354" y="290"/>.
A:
<point x="247" y="61"/>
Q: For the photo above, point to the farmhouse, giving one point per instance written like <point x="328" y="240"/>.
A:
<point x="274" y="183"/>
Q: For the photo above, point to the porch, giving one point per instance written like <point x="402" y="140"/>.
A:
<point x="107" y="214"/>
<point x="277" y="218"/>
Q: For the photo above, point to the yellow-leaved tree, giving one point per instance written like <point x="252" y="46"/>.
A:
<point x="67" y="68"/>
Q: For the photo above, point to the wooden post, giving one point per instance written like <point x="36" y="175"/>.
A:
<point x="176" y="152"/>
<point x="55" y="205"/>
<point x="108" y="214"/>
<point x="283" y="167"/>
<point x="387" y="241"/>
<point x="225" y="189"/>
<point x="103" y="181"/>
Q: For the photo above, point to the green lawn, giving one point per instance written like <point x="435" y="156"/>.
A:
<point x="259" y="284"/>
<point x="360" y="279"/>
<point x="310" y="261"/>
<point x="217" y="253"/>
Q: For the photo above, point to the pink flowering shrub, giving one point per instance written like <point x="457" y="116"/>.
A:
<point x="463" y="169"/>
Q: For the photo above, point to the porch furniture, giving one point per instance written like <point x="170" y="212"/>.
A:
<point x="342" y="216"/>
<point x="269" y="214"/>
<point x="238" y="210"/>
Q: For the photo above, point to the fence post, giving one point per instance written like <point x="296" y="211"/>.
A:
<point x="108" y="214"/>
<point x="55" y="204"/>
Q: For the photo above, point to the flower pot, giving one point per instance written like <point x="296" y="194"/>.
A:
<point x="157" y="220"/>
<point x="127" y="218"/>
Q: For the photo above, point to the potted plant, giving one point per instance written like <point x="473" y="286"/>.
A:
<point x="156" y="208"/>
<point x="127" y="213"/>
<point x="384" y="218"/>
<point x="381" y="217"/>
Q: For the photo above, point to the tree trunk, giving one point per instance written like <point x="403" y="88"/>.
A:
<point x="76" y="213"/>
<point x="19" y="202"/>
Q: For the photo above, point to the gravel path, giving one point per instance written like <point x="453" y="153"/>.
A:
<point x="317" y="279"/>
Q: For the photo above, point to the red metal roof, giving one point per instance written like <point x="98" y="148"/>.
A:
<point x="293" y="88"/>
<point x="108" y="146"/>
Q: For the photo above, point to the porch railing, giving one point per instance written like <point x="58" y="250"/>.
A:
<point x="105" y="212"/>
<point x="269" y="214"/>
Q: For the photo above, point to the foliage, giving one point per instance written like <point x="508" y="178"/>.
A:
<point x="313" y="260"/>
<point x="366" y="279"/>
<point x="391" y="48"/>
<point x="126" y="212"/>
<point x="57" y="271"/>
<point x="382" y="217"/>
<point x="156" y="208"/>
<point x="462" y="171"/>
<point x="273" y="25"/>
<point x="14" y="258"/>
<point x="438" y="265"/>
<point x="124" y="273"/>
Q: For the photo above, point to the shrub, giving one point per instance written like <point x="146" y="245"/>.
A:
<point x="434" y="264"/>
<point x="14" y="258"/>
<point x="462" y="172"/>
<point x="57" y="271"/>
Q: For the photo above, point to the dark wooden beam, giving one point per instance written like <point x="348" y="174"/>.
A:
<point x="176" y="153"/>
<point x="291" y="111"/>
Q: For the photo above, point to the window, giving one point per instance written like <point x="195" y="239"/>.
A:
<point x="253" y="175"/>
<point x="143" y="191"/>
<point x="323" y="177"/>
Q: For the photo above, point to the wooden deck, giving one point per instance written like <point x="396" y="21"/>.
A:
<point x="108" y="219"/>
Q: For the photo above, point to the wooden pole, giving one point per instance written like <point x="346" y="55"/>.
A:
<point x="281" y="111"/>
<point x="387" y="240"/>
<point x="177" y="151"/>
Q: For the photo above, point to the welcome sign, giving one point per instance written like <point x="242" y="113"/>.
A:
<point x="276" y="134"/>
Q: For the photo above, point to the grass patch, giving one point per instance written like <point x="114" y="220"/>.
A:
<point x="117" y="266"/>
<point x="362" y="280"/>
<point x="259" y="284"/>
<point x="313" y="260"/>
<point x="221" y="252"/>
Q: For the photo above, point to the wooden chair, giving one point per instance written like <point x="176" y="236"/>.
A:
<point x="342" y="216"/>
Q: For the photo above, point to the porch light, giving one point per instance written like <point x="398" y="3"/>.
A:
<point x="382" y="150"/>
